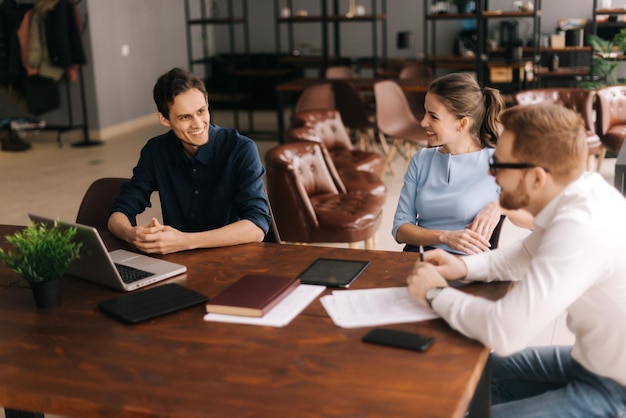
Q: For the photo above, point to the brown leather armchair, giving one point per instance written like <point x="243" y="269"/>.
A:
<point x="348" y="179"/>
<point x="612" y="116"/>
<point x="580" y="100"/>
<point x="307" y="205"/>
<point x="329" y="127"/>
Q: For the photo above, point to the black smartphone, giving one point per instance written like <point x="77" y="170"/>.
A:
<point x="400" y="339"/>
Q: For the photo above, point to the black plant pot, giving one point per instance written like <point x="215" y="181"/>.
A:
<point x="47" y="294"/>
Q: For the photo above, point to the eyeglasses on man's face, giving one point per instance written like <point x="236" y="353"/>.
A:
<point x="494" y="166"/>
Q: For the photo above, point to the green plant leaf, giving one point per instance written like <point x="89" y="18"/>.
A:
<point x="602" y="65"/>
<point x="40" y="253"/>
<point x="619" y="40"/>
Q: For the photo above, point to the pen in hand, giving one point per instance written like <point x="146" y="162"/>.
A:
<point x="421" y="253"/>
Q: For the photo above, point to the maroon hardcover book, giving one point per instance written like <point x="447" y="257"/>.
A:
<point x="252" y="295"/>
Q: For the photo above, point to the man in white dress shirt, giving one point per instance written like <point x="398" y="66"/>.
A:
<point x="574" y="261"/>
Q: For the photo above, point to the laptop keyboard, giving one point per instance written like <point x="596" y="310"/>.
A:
<point x="131" y="274"/>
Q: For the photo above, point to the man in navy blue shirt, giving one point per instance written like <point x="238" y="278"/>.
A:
<point x="209" y="179"/>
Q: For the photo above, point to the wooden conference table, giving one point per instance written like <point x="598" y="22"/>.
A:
<point x="75" y="361"/>
<point x="287" y="88"/>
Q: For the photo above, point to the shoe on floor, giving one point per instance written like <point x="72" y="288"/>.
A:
<point x="12" y="142"/>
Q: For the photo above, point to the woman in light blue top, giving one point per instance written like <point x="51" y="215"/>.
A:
<point x="448" y="199"/>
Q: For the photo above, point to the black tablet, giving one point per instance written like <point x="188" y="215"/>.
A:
<point x="333" y="272"/>
<point x="143" y="305"/>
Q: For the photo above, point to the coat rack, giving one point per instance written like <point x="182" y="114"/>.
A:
<point x="71" y="125"/>
<point x="87" y="141"/>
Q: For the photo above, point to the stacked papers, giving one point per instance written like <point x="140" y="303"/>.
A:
<point x="372" y="307"/>
<point x="281" y="314"/>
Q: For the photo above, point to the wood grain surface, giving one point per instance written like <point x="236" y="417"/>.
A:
<point x="74" y="360"/>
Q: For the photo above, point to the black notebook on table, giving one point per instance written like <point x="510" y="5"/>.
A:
<point x="151" y="303"/>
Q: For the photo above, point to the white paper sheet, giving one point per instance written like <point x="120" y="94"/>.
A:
<point x="372" y="307"/>
<point x="281" y="314"/>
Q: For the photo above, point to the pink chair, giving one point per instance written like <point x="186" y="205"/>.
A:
<point x="315" y="97"/>
<point x="396" y="120"/>
<point x="339" y="72"/>
<point x="416" y="71"/>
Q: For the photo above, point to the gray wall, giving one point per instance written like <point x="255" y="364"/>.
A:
<point x="119" y="88"/>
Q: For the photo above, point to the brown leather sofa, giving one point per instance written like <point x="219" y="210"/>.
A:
<point x="612" y="116"/>
<point x="329" y="127"/>
<point x="580" y="100"/>
<point x="347" y="178"/>
<point x="307" y="205"/>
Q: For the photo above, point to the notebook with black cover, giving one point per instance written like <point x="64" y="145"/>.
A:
<point x="154" y="302"/>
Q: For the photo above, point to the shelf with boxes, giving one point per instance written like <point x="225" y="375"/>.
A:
<point x="565" y="59"/>
<point x="372" y="19"/>
<point x="437" y="14"/>
<point x="510" y="65"/>
<point x="504" y="62"/>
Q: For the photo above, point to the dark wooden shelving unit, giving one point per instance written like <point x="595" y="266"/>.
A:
<point x="609" y="24"/>
<point x="234" y="97"/>
<point x="484" y="59"/>
<point x="331" y="21"/>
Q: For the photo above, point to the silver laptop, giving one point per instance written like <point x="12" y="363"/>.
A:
<point x="120" y="269"/>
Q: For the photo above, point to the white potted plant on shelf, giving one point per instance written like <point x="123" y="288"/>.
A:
<point x="41" y="255"/>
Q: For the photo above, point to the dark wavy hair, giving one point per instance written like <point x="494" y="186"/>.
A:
<point x="173" y="83"/>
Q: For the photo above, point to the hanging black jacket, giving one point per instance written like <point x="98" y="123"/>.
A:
<point x="63" y="36"/>
<point x="8" y="26"/>
<point x="13" y="73"/>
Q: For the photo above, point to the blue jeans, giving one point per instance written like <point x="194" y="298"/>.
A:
<point x="547" y="382"/>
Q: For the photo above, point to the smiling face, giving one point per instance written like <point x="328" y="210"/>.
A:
<point x="442" y="127"/>
<point x="189" y="119"/>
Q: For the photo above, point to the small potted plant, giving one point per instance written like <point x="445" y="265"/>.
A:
<point x="41" y="255"/>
